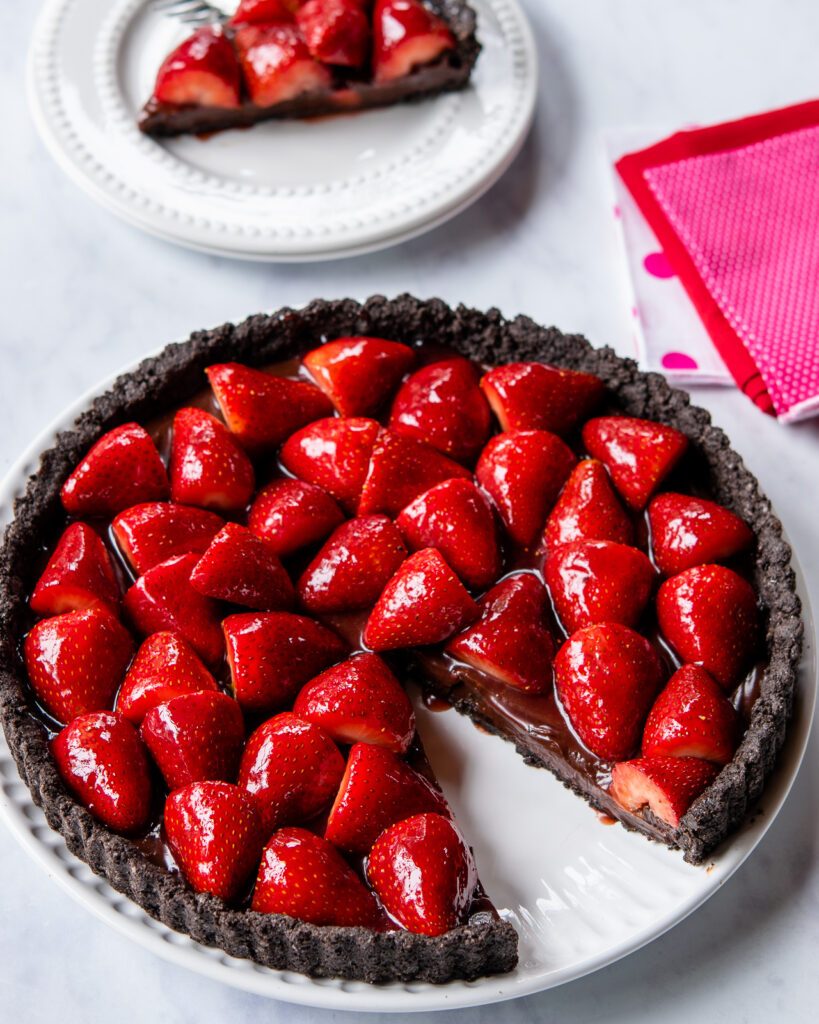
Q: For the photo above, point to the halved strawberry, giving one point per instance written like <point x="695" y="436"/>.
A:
<point x="292" y="514"/>
<point x="424" y="874"/>
<point x="607" y="677"/>
<point x="215" y="836"/>
<point x="357" y="373"/>
<point x="639" y="454"/>
<point x="709" y="616"/>
<point x="333" y="454"/>
<point x="102" y="761"/>
<point x="359" y="700"/>
<point x="523" y="473"/>
<point x="163" y="600"/>
<point x="291" y="769"/>
<point x="406" y="35"/>
<point x="442" y="405"/>
<point x="666" y="785"/>
<point x="150" y="533"/>
<point x="692" y="717"/>
<point x="687" y="531"/>
<point x="587" y="509"/>
<point x="195" y="737"/>
<point x="353" y="566"/>
<point x="511" y="641"/>
<point x="400" y="469"/>
<point x="305" y="877"/>
<point x="262" y="410"/>
<point x="79" y="575"/>
<point x="202" y="71"/>
<point x="122" y="468"/>
<point x="164" y="667"/>
<point x="336" y="31"/>
<point x="534" y="396"/>
<point x="242" y="568"/>
<point x="273" y="654"/>
<point x="255" y="11"/>
<point x="277" y="64"/>
<point x="208" y="466"/>
<point x="378" y="789"/>
<point x="598" y="581"/>
<point x="424" y="603"/>
<point x="455" y="518"/>
<point x="76" y="661"/>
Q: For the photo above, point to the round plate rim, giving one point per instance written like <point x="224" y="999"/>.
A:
<point x="24" y="819"/>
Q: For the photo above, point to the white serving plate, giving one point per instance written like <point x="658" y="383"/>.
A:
<point x="581" y="894"/>
<point x="284" y="191"/>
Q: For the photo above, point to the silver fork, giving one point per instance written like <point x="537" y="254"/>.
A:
<point x="190" y="12"/>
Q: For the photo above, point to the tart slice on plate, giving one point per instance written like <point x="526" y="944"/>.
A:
<point x="305" y="58"/>
<point x="254" y="541"/>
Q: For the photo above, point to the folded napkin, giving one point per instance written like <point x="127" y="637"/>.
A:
<point x="735" y="212"/>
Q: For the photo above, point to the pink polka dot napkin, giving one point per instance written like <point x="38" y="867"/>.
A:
<point x="735" y="211"/>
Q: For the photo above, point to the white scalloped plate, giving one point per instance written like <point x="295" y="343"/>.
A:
<point x="285" y="191"/>
<point x="581" y="894"/>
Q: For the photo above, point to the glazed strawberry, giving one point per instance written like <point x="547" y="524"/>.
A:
<point x="597" y="581"/>
<point x="587" y="509"/>
<point x="692" y="717"/>
<point x="666" y="785"/>
<point x="534" y="396"/>
<point x="277" y="64"/>
<point x="443" y="406"/>
<point x="208" y="466"/>
<point x="424" y="874"/>
<point x="79" y="575"/>
<point x="272" y="655"/>
<point x="291" y="514"/>
<point x="359" y="700"/>
<point x="688" y="531"/>
<point x="333" y="454"/>
<point x="242" y="568"/>
<point x="400" y="469"/>
<point x="357" y="373"/>
<point x="455" y="518"/>
<point x="150" y="533"/>
<point x="195" y="737"/>
<point x="336" y="31"/>
<point x="291" y="769"/>
<point x="406" y="35"/>
<point x="511" y="641"/>
<point x="262" y="11"/>
<point x="639" y="454"/>
<point x="163" y="600"/>
<point x="709" y="616"/>
<point x="607" y="677"/>
<point x="305" y="877"/>
<point x="353" y="566"/>
<point x="215" y="836"/>
<point x="202" y="71"/>
<point x="103" y="762"/>
<point x="164" y="667"/>
<point x="262" y="410"/>
<point x="76" y="661"/>
<point x="121" y="469"/>
<point x="424" y="603"/>
<point x="378" y="789"/>
<point x="523" y="473"/>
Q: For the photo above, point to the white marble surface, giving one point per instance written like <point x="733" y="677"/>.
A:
<point x="83" y="294"/>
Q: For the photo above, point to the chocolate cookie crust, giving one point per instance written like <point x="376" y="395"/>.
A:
<point x="161" y="383"/>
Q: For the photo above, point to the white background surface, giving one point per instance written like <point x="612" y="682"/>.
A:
<point x="82" y="294"/>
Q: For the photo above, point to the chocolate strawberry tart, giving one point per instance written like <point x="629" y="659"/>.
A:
<point x="304" y="58"/>
<point x="218" y="582"/>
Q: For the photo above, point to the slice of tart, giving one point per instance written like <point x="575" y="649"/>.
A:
<point x="257" y="540"/>
<point x="306" y="58"/>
